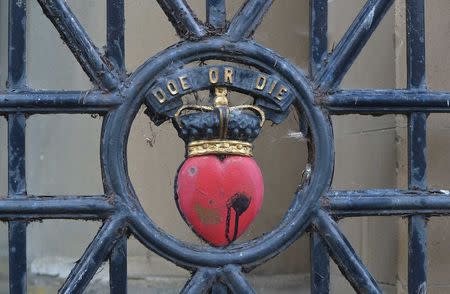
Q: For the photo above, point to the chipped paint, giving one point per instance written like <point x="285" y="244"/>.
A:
<point x="208" y="216"/>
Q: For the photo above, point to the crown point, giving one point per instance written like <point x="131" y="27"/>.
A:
<point x="221" y="97"/>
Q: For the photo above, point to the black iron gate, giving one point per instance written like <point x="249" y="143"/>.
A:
<point x="118" y="96"/>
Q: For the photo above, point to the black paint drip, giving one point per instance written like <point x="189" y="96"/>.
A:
<point x="239" y="203"/>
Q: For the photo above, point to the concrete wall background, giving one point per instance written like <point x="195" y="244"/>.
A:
<point x="62" y="150"/>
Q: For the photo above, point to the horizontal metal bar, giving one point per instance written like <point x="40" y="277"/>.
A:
<point x="97" y="67"/>
<point x="58" y="102"/>
<point x="58" y="207"/>
<point x="377" y="101"/>
<point x="343" y="254"/>
<point x="387" y="202"/>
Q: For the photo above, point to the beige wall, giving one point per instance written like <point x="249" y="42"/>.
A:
<point x="62" y="150"/>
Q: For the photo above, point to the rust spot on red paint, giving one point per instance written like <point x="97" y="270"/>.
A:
<point x="208" y="216"/>
<point x="192" y="171"/>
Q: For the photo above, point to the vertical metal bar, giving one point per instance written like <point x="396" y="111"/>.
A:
<point x="320" y="265"/>
<point x="16" y="44"/>
<point x="16" y="145"/>
<point x="17" y="257"/>
<point x="115" y="49"/>
<point x="415" y="35"/>
<point x="115" y="33"/>
<point x="17" y="188"/>
<point x="417" y="151"/>
<point x="417" y="243"/>
<point x="216" y="13"/>
<point x="417" y="160"/>
<point x="16" y="155"/>
<point x="219" y="288"/>
<point x="318" y="39"/>
<point x="417" y="255"/>
<point x="318" y="51"/>
<point x="118" y="267"/>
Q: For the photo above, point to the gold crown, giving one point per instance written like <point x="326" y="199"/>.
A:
<point x="223" y="142"/>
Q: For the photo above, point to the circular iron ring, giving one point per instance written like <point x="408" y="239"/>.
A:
<point x="118" y="123"/>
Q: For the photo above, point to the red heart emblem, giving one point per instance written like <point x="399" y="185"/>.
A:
<point x="219" y="198"/>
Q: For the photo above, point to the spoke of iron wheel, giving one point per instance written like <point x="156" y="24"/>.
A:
<point x="351" y="44"/>
<point x="216" y="13"/>
<point x="115" y="33"/>
<point x="235" y="280"/>
<point x="183" y="19"/>
<point x="99" y="70"/>
<point x="201" y="282"/>
<point x="96" y="253"/>
<point x="248" y="18"/>
<point x="219" y="288"/>
<point x="343" y="254"/>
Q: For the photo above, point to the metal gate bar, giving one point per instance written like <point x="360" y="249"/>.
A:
<point x="115" y="51"/>
<point x="380" y="101"/>
<point x="377" y="102"/>
<point x="318" y="55"/>
<point x="16" y="146"/>
<point x="417" y="143"/>
<point x="385" y="202"/>
<point x="326" y="70"/>
<point x="17" y="189"/>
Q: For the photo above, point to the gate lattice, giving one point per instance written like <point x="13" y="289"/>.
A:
<point x="214" y="269"/>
